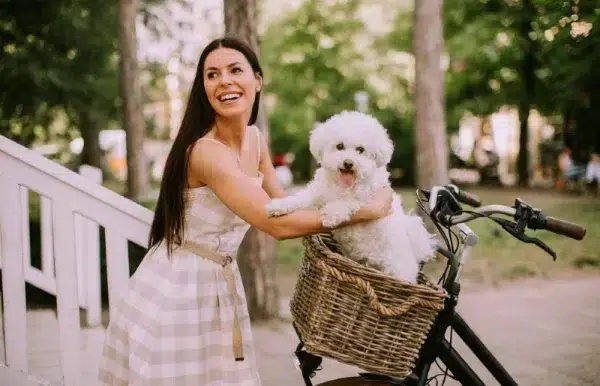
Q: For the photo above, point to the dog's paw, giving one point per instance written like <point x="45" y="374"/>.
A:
<point x="277" y="208"/>
<point x="330" y="221"/>
<point x="330" y="218"/>
<point x="335" y="213"/>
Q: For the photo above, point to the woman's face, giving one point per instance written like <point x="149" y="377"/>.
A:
<point x="230" y="83"/>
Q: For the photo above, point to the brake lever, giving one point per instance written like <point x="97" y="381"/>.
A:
<point x="448" y="207"/>
<point x="542" y="245"/>
<point x="515" y="229"/>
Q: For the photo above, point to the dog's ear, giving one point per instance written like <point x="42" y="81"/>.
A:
<point x="317" y="141"/>
<point x="383" y="154"/>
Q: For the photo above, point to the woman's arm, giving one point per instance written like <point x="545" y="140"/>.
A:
<point x="271" y="183"/>
<point x="215" y="166"/>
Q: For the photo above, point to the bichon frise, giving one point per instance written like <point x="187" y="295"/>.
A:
<point x="353" y="150"/>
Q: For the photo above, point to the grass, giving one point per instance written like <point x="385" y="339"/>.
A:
<point x="501" y="258"/>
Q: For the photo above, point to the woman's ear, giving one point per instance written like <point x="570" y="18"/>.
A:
<point x="259" y="82"/>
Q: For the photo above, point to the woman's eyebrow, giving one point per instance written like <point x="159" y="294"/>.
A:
<point x="229" y="65"/>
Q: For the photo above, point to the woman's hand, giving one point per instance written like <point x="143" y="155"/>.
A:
<point x="380" y="204"/>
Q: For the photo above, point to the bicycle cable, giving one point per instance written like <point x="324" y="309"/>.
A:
<point x="449" y="239"/>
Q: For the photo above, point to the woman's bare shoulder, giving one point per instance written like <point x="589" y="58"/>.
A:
<point x="209" y="158"/>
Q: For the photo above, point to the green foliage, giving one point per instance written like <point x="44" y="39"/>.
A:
<point x="568" y="56"/>
<point x="314" y="66"/>
<point x="570" y="72"/>
<point x="58" y="58"/>
<point x="60" y="68"/>
<point x="485" y="43"/>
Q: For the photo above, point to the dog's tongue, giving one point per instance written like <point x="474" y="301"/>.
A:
<point x="347" y="179"/>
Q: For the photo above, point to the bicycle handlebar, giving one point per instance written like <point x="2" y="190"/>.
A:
<point x="533" y="218"/>
<point x="462" y="196"/>
<point x="564" y="228"/>
<point x="484" y="210"/>
<point x="465" y="197"/>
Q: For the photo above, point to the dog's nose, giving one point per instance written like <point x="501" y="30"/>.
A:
<point x="348" y="164"/>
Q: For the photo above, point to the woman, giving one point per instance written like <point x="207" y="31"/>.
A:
<point x="184" y="319"/>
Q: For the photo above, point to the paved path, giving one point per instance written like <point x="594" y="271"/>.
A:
<point x="545" y="333"/>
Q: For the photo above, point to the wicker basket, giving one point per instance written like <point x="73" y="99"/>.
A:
<point x="359" y="316"/>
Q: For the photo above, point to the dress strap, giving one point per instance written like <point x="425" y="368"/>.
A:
<point x="237" y="157"/>
<point x="257" y="145"/>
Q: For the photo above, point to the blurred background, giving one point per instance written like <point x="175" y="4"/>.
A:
<point x="501" y="97"/>
<point x="502" y="65"/>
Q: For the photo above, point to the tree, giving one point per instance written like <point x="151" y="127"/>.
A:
<point x="257" y="257"/>
<point x="527" y="67"/>
<point x="430" y="124"/>
<point x="133" y="120"/>
<point x="482" y="74"/>
<point x="570" y="76"/>
<point x="53" y="84"/>
<point x="535" y="54"/>
<point x="313" y="71"/>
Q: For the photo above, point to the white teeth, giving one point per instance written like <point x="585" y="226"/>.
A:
<point x="228" y="97"/>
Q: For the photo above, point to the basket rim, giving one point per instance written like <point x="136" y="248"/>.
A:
<point x="317" y="241"/>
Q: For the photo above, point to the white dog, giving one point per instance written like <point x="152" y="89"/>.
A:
<point x="353" y="150"/>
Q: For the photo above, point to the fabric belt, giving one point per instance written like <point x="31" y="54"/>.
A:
<point x="225" y="261"/>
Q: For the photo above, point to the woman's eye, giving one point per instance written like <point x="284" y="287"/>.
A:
<point x="211" y="75"/>
<point x="360" y="149"/>
<point x="236" y="70"/>
<point x="340" y="146"/>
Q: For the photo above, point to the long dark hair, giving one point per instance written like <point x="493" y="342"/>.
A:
<point x="169" y="215"/>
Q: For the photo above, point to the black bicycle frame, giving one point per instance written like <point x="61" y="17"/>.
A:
<point x="455" y="363"/>
<point x="437" y="346"/>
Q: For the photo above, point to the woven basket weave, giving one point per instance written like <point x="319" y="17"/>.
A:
<point x="359" y="316"/>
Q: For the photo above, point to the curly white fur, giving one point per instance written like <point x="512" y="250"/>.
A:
<point x="359" y="145"/>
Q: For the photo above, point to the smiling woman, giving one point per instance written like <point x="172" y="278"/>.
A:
<point x="183" y="318"/>
<point x="230" y="82"/>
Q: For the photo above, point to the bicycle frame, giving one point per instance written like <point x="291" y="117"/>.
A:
<point x="436" y="345"/>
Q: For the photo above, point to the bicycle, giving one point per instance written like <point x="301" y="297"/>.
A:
<point x="443" y="206"/>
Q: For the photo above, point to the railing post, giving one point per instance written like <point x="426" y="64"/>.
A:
<point x="89" y="259"/>
<point x="13" y="275"/>
<point x="25" y="231"/>
<point x="67" y="302"/>
<point x="117" y="266"/>
<point x="46" y="235"/>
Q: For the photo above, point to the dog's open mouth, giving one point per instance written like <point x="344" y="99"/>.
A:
<point x="347" y="178"/>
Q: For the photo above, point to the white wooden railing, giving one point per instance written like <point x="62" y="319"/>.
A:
<point x="71" y="209"/>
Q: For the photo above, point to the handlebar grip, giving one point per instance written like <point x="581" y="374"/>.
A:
<point x="565" y="228"/>
<point x="469" y="198"/>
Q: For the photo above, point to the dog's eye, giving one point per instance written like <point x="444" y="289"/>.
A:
<point x="340" y="146"/>
<point x="360" y="149"/>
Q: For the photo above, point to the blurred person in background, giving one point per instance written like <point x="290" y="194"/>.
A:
<point x="282" y="164"/>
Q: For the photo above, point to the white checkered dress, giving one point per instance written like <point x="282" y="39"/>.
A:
<point x="174" y="324"/>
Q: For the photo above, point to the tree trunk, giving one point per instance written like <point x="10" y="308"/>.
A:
<point x="133" y="120"/>
<point x="430" y="120"/>
<point x="256" y="257"/>
<point x="528" y="78"/>
<point x="90" y="127"/>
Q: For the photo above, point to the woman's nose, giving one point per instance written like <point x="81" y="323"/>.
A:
<point x="225" y="79"/>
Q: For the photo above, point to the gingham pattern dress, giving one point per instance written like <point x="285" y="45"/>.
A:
<point x="173" y="326"/>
